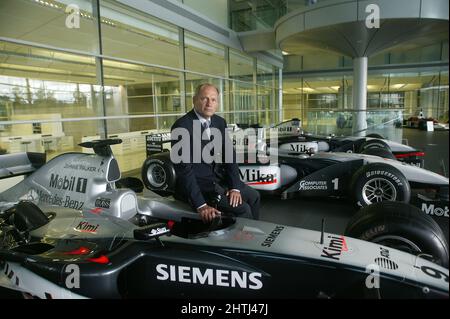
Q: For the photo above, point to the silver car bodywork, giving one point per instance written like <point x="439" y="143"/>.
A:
<point x="79" y="190"/>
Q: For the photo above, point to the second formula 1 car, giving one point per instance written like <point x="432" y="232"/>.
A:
<point x="292" y="139"/>
<point x="362" y="179"/>
<point x="365" y="179"/>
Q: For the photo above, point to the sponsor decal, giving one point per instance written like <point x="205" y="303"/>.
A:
<point x="286" y="129"/>
<point x="387" y="174"/>
<point x="70" y="203"/>
<point x="103" y="203"/>
<point x="159" y="231"/>
<point x="273" y="235"/>
<point x="432" y="210"/>
<point x="80" y="167"/>
<point x="159" y="137"/>
<point x="384" y="252"/>
<point x="85" y="227"/>
<point x="255" y="177"/>
<point x="334" y="248"/>
<point x="68" y="183"/>
<point x="209" y="276"/>
<point x="154" y="138"/>
<point x="54" y="199"/>
<point x="301" y="147"/>
<point x="312" y="185"/>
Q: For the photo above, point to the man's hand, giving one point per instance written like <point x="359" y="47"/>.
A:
<point x="235" y="198"/>
<point x="208" y="213"/>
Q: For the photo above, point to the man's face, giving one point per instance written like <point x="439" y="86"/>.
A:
<point x="206" y="102"/>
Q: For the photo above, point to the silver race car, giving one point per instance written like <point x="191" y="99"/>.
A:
<point x="361" y="178"/>
<point x="67" y="231"/>
<point x="292" y="139"/>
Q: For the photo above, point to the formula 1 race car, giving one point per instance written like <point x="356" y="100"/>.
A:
<point x="422" y="123"/>
<point x="365" y="179"/>
<point x="293" y="140"/>
<point x="66" y="231"/>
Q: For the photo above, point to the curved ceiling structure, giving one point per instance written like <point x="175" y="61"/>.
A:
<point x="340" y="26"/>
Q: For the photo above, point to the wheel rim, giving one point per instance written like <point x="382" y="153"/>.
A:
<point x="377" y="190"/>
<point x="156" y="175"/>
<point x="398" y="242"/>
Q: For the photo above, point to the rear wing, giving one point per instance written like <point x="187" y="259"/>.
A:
<point x="20" y="163"/>
<point x="154" y="143"/>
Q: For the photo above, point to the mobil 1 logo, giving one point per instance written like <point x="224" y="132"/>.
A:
<point x="435" y="210"/>
<point x="68" y="183"/>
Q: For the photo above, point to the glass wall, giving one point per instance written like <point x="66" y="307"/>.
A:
<point x="42" y="92"/>
<point x="203" y="55"/>
<point x="140" y="94"/>
<point x="255" y="14"/>
<point x="68" y="25"/>
<point x="60" y="85"/>
<point x="262" y="14"/>
<point x="324" y="103"/>
<point x="406" y="81"/>
<point x="137" y="36"/>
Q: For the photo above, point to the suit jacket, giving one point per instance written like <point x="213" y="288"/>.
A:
<point x="194" y="180"/>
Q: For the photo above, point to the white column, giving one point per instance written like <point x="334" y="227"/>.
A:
<point x="360" y="95"/>
<point x="280" y="95"/>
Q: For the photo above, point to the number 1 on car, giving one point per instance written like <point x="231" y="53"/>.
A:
<point x="335" y="183"/>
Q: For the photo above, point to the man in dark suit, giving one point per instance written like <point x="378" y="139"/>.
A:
<point x="196" y="162"/>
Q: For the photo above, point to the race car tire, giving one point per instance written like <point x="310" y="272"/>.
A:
<point x="158" y="175"/>
<point x="377" y="182"/>
<point x="374" y="135"/>
<point x="376" y="143"/>
<point x="381" y="152"/>
<point x="400" y="226"/>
